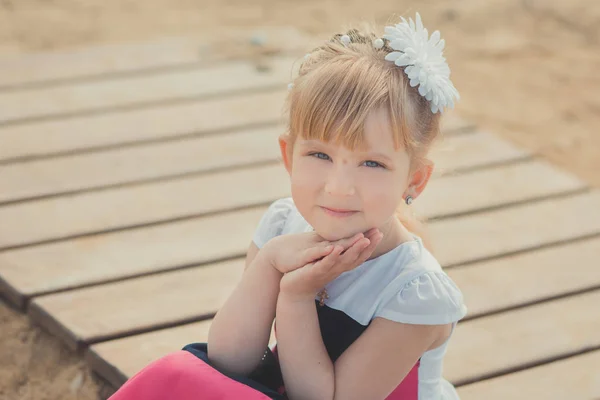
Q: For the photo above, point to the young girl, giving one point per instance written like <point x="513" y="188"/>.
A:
<point x="362" y="308"/>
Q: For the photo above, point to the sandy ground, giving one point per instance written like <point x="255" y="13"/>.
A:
<point x="36" y="366"/>
<point x="526" y="69"/>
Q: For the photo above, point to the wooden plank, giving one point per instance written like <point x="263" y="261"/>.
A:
<point x="174" y="297"/>
<point x="151" y="346"/>
<point x="486" y="189"/>
<point x="509" y="340"/>
<point x="506" y="231"/>
<point x="38" y="178"/>
<point x="530" y="277"/>
<point x="138" y="90"/>
<point x="152" y="123"/>
<point x="572" y="378"/>
<point x="75" y="314"/>
<point x="500" y="343"/>
<point x="93" y="62"/>
<point x="56" y="266"/>
<point x="163" y="122"/>
<point x="118" y="255"/>
<point x="31" y="222"/>
<point x="478" y="149"/>
<point x="89" y="62"/>
<point x="139" y="205"/>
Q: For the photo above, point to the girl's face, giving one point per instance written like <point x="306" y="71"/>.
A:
<point x="341" y="192"/>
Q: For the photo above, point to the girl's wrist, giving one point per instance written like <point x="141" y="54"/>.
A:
<point x="296" y="297"/>
<point x="267" y="253"/>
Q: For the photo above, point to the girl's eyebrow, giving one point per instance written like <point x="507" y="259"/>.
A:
<point x="379" y="155"/>
<point x="365" y="153"/>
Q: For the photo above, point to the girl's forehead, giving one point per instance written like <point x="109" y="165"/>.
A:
<point x="374" y="134"/>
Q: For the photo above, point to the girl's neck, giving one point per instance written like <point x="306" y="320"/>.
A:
<point x="394" y="234"/>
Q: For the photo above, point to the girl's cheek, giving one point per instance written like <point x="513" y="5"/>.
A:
<point x="381" y="191"/>
<point x="375" y="181"/>
<point x="307" y="173"/>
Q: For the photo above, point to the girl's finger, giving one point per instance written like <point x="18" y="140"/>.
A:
<point x="329" y="260"/>
<point x="348" y="242"/>
<point x="370" y="234"/>
<point x="316" y="253"/>
<point x="351" y="255"/>
<point x="367" y="251"/>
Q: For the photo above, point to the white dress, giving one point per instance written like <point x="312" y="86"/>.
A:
<point x="405" y="285"/>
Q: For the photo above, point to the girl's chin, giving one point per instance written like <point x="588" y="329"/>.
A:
<point x="333" y="235"/>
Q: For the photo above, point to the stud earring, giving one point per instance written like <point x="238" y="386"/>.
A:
<point x="409" y="200"/>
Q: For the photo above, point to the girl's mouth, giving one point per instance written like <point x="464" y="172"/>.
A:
<point x="340" y="213"/>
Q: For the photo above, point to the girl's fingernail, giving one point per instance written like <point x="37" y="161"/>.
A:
<point x="328" y="247"/>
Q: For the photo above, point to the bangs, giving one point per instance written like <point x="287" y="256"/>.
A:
<point x="331" y="102"/>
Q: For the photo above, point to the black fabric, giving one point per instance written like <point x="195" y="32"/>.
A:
<point x="200" y="350"/>
<point x="268" y="372"/>
<point x="338" y="332"/>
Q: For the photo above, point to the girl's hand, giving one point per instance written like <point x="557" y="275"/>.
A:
<point x="304" y="283"/>
<point x="293" y="251"/>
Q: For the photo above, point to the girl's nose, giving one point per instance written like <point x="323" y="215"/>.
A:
<point x="339" y="183"/>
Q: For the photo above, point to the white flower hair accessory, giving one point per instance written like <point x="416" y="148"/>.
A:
<point x="423" y="58"/>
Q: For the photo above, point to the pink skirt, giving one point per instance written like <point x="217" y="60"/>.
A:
<point x="188" y="375"/>
<point x="184" y="376"/>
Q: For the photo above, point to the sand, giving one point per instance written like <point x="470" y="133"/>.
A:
<point x="526" y="69"/>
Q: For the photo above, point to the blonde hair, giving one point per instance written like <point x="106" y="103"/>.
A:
<point x="339" y="85"/>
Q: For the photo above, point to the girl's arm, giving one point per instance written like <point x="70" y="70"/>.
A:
<point x="371" y="368"/>
<point x="239" y="333"/>
<point x="307" y="370"/>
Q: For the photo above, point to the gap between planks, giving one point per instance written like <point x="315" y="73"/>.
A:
<point x="101" y="62"/>
<point x="575" y="377"/>
<point x="138" y="92"/>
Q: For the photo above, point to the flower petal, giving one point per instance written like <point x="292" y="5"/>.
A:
<point x="393" y="55"/>
<point x="423" y="61"/>
<point x="419" y="22"/>
<point x="398" y="44"/>
<point x="403" y="61"/>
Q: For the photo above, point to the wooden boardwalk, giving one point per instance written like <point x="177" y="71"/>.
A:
<point x="132" y="178"/>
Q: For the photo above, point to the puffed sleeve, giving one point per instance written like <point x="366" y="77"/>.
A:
<point x="430" y="298"/>
<point x="272" y="222"/>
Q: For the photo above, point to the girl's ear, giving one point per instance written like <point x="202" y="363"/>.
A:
<point x="286" y="147"/>
<point x="419" y="179"/>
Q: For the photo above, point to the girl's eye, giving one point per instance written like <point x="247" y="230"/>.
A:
<point x="373" y="164"/>
<point x="320" y="155"/>
<point x="368" y="163"/>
